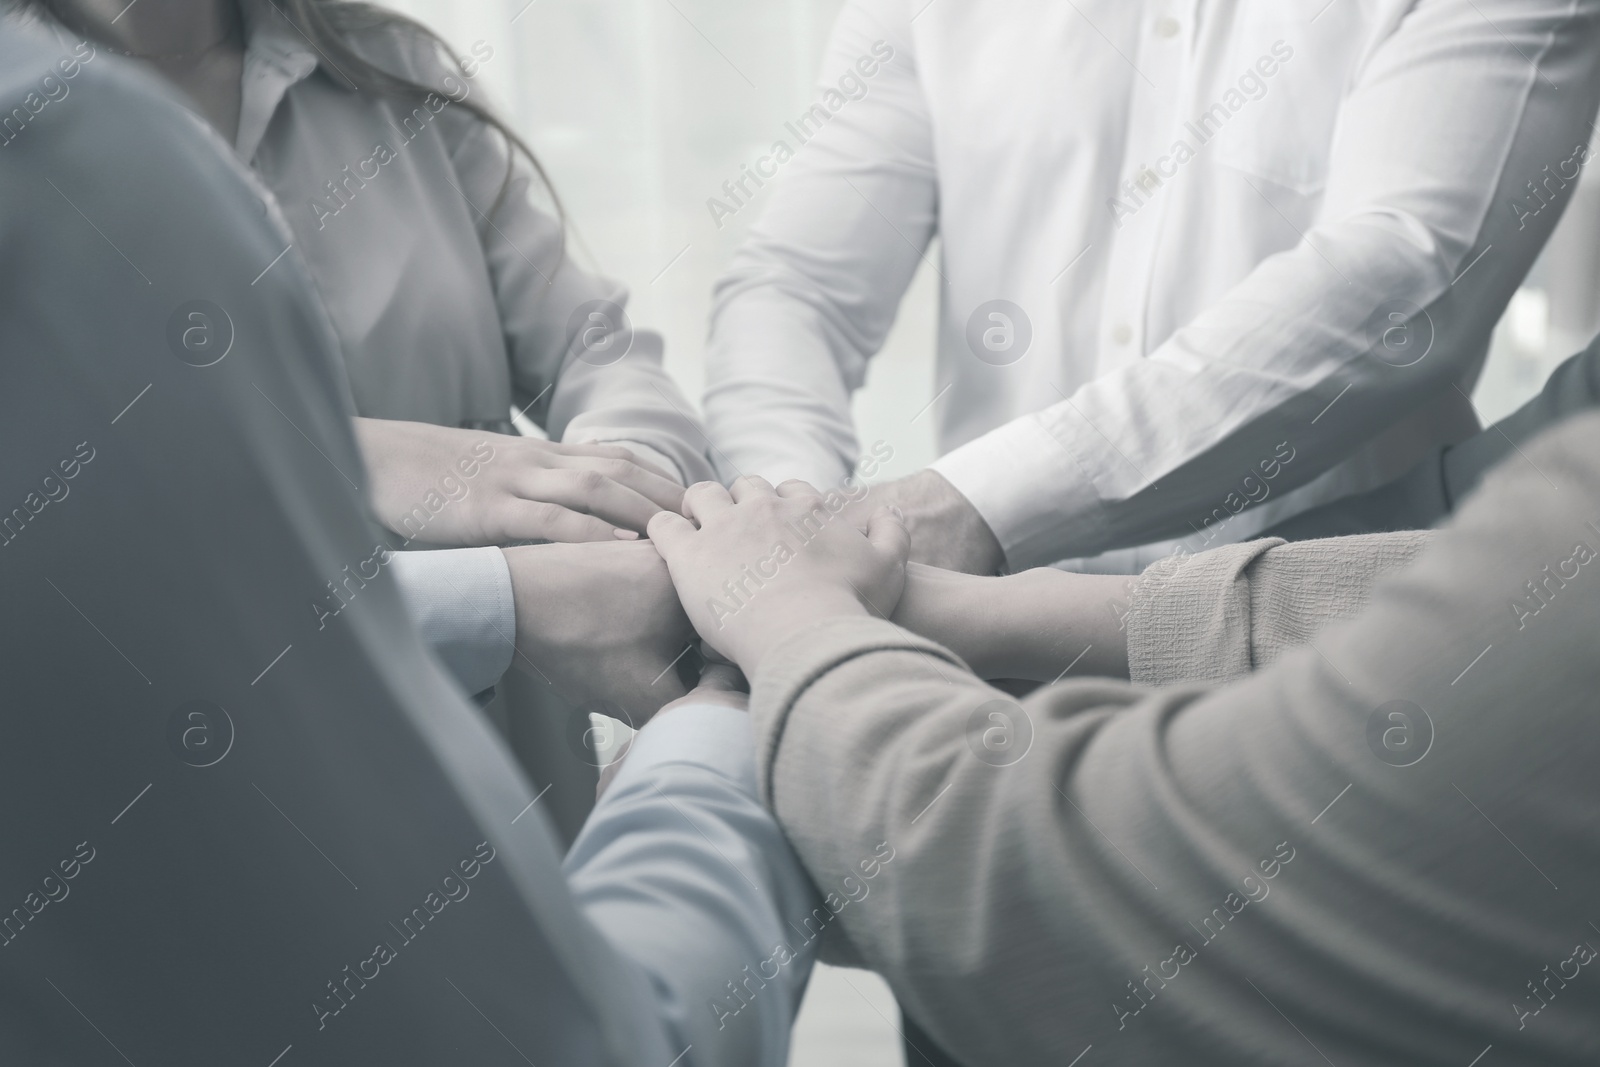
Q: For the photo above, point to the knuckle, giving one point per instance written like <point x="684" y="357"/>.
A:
<point x="589" y="480"/>
<point x="544" y="513"/>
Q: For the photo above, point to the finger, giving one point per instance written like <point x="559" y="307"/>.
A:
<point x="541" y="520"/>
<point x="795" y="487"/>
<point x="590" y="492"/>
<point x="592" y="448"/>
<point x="670" y="533"/>
<point x="611" y="450"/>
<point x="664" y="491"/>
<point x="723" y="677"/>
<point x="702" y="500"/>
<point x="749" y="486"/>
<point x="886" y="531"/>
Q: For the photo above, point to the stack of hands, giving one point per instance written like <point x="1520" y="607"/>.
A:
<point x="638" y="569"/>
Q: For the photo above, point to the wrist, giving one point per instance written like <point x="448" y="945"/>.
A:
<point x="538" y="578"/>
<point x="946" y="530"/>
<point x="762" y="623"/>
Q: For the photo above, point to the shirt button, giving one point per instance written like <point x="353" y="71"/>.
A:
<point x="1121" y="333"/>
<point x="1167" y="26"/>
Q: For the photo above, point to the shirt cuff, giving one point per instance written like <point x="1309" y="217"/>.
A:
<point x="1030" y="490"/>
<point x="713" y="736"/>
<point x="461" y="602"/>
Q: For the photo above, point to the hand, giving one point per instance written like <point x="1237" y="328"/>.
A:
<point x="765" y="563"/>
<point x="946" y="530"/>
<point x="600" y="622"/>
<point x="445" y="486"/>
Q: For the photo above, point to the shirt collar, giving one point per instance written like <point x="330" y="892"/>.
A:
<point x="277" y="56"/>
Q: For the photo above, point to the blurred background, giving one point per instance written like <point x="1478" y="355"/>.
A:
<point x="641" y="109"/>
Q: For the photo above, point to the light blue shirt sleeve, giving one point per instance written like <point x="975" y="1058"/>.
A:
<point x="461" y="602"/>
<point x="691" y="878"/>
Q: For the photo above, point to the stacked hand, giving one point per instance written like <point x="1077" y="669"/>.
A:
<point x="600" y="622"/>
<point x="444" y="486"/>
<point x="756" y="564"/>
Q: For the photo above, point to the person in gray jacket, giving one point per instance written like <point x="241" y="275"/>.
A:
<point x="237" y="830"/>
<point x="1370" y="842"/>
<point x="440" y="253"/>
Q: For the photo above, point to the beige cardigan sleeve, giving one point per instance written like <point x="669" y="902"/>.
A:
<point x="1219" y="615"/>
<point x="1298" y="862"/>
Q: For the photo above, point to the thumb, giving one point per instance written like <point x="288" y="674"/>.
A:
<point x="670" y="532"/>
<point x="886" y="532"/>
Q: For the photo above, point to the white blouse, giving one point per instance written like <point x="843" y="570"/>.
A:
<point x="445" y="316"/>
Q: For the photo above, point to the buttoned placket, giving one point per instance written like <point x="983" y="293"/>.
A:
<point x="1163" y="67"/>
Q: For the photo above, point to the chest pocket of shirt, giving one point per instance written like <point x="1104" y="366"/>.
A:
<point x="1290" y="62"/>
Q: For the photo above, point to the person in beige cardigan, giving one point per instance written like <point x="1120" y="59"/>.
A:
<point x="1284" y="841"/>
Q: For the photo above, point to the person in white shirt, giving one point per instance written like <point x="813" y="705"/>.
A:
<point x="1178" y="241"/>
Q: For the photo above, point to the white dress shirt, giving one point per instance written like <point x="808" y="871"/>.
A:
<point x="461" y="602"/>
<point x="1180" y="318"/>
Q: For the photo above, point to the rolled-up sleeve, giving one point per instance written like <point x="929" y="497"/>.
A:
<point x="1217" y="616"/>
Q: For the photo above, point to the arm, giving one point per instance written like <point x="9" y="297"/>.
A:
<point x="681" y="824"/>
<point x="1209" y="874"/>
<point x="590" y="376"/>
<point x="813" y="290"/>
<point x="1214" y="616"/>
<point x="1502" y="89"/>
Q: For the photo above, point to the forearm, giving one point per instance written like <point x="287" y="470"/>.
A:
<point x="813" y="291"/>
<point x="631" y="401"/>
<point x="777" y="398"/>
<point x="1031" y="626"/>
<point x="1214" y="616"/>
